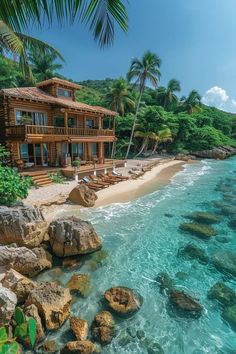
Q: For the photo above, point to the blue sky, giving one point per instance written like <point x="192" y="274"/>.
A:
<point x="194" y="38"/>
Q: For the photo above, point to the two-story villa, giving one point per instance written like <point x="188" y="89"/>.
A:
<point x="44" y="125"/>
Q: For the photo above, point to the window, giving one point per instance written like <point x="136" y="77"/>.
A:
<point x="94" y="148"/>
<point x="89" y="123"/>
<point x="58" y="122"/>
<point x="24" y="152"/>
<point x="64" y="93"/>
<point x="34" y="118"/>
<point x="71" y="122"/>
<point x="77" y="150"/>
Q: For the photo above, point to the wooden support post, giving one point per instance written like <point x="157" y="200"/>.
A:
<point x="66" y="121"/>
<point x="101" y="152"/>
<point x="99" y="122"/>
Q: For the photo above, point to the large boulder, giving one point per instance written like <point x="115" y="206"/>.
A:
<point x="225" y="262"/>
<point x="53" y="304"/>
<point x="23" y="225"/>
<point x="25" y="261"/>
<point x="8" y="303"/>
<point x="32" y="311"/>
<point x="19" y="284"/>
<point x="80" y="347"/>
<point x="83" y="195"/>
<point x="79" y="327"/>
<point x="223" y="294"/>
<point x="184" y="303"/>
<point x="123" y="301"/>
<point x="220" y="152"/>
<point x="72" y="236"/>
<point x="103" y="327"/>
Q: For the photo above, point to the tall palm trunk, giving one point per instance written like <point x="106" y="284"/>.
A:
<point x="114" y="143"/>
<point x="154" y="148"/>
<point x="144" y="145"/>
<point x="134" y="123"/>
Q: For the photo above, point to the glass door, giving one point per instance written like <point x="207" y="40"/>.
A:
<point x="38" y="154"/>
<point x="45" y="154"/>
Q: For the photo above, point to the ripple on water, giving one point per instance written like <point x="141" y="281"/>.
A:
<point x="143" y="239"/>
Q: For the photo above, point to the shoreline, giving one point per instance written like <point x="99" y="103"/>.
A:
<point x="125" y="191"/>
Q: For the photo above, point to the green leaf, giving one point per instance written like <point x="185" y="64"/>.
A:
<point x="21" y="331"/>
<point x="19" y="316"/>
<point x="3" y="334"/>
<point x="32" y="325"/>
<point x="10" y="348"/>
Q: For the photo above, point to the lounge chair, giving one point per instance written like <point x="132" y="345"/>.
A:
<point x="119" y="175"/>
<point x="91" y="185"/>
<point x="108" y="179"/>
<point x="99" y="181"/>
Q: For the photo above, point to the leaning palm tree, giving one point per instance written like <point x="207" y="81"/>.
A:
<point x="43" y="65"/>
<point x="166" y="96"/>
<point x="163" y="136"/>
<point x="119" y="98"/>
<point x="192" y="103"/>
<point x="18" y="16"/>
<point x="142" y="71"/>
<point x="146" y="136"/>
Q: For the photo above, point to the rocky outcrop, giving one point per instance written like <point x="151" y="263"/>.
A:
<point x="25" y="261"/>
<point x="79" y="328"/>
<point x="225" y="262"/>
<point x="22" y="225"/>
<point x="79" y="283"/>
<point x="52" y="302"/>
<point x="32" y="311"/>
<point x="204" y="217"/>
<point x="223" y="294"/>
<point x="80" y="347"/>
<point x="123" y="301"/>
<point x="200" y="230"/>
<point x="73" y="236"/>
<point x="8" y="303"/>
<point x="191" y="251"/>
<point x="220" y="152"/>
<point x="19" y="284"/>
<point x="103" y="327"/>
<point x="82" y="195"/>
<point x="185" y="303"/>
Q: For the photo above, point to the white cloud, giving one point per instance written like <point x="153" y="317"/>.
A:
<point x="218" y="97"/>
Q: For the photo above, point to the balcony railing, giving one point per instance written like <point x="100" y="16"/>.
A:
<point x="19" y="131"/>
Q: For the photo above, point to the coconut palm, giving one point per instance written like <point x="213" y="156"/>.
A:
<point x="142" y="71"/>
<point x="164" y="135"/>
<point x="43" y="65"/>
<point x="17" y="18"/>
<point x="146" y="137"/>
<point x="166" y="96"/>
<point x="119" y="98"/>
<point x="192" y="103"/>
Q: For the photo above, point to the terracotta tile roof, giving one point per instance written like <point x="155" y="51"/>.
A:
<point x="56" y="80"/>
<point x="35" y="94"/>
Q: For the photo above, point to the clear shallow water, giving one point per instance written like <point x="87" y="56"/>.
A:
<point x="143" y="241"/>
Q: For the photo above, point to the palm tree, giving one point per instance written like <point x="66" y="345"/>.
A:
<point x="192" y="102"/>
<point x="164" y="135"/>
<point x="146" y="136"/>
<point x="166" y="96"/>
<point x="17" y="17"/>
<point x="43" y="65"/>
<point x="142" y="71"/>
<point x="119" y="97"/>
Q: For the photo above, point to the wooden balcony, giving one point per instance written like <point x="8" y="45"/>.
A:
<point x="51" y="133"/>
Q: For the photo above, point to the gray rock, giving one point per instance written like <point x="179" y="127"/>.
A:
<point x="8" y="301"/>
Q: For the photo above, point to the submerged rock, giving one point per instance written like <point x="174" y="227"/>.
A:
<point x="72" y="236"/>
<point x="19" y="284"/>
<point x="22" y="225"/>
<point x="98" y="259"/>
<point x="225" y="262"/>
<point x="204" y="217"/>
<point x="72" y="262"/>
<point x="223" y="294"/>
<point x="229" y="315"/>
<point x="80" y="347"/>
<point x="79" y="283"/>
<point x="8" y="303"/>
<point x="185" y="303"/>
<point x="152" y="346"/>
<point x="123" y="301"/>
<point x="103" y="327"/>
<point x="79" y="328"/>
<point x="165" y="282"/>
<point x="25" y="261"/>
<point x="182" y="275"/>
<point x="82" y="195"/>
<point x="199" y="230"/>
<point x="191" y="251"/>
<point x="53" y="304"/>
<point x="49" y="346"/>
<point x="232" y="224"/>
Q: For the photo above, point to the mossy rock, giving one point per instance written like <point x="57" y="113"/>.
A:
<point x="165" y="282"/>
<point x="191" y="251"/>
<point x="229" y="315"/>
<point x="200" y="230"/>
<point x="223" y="294"/>
<point x="204" y="217"/>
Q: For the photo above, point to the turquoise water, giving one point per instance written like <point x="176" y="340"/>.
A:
<point x="143" y="238"/>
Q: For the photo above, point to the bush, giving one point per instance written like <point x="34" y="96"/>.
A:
<point x="206" y="138"/>
<point x="57" y="178"/>
<point x="13" y="187"/>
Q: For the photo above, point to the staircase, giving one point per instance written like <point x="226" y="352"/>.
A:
<point x="41" y="179"/>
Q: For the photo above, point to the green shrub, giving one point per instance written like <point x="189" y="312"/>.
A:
<point x="8" y="345"/>
<point x="57" y="177"/>
<point x="13" y="187"/>
<point x="76" y="163"/>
